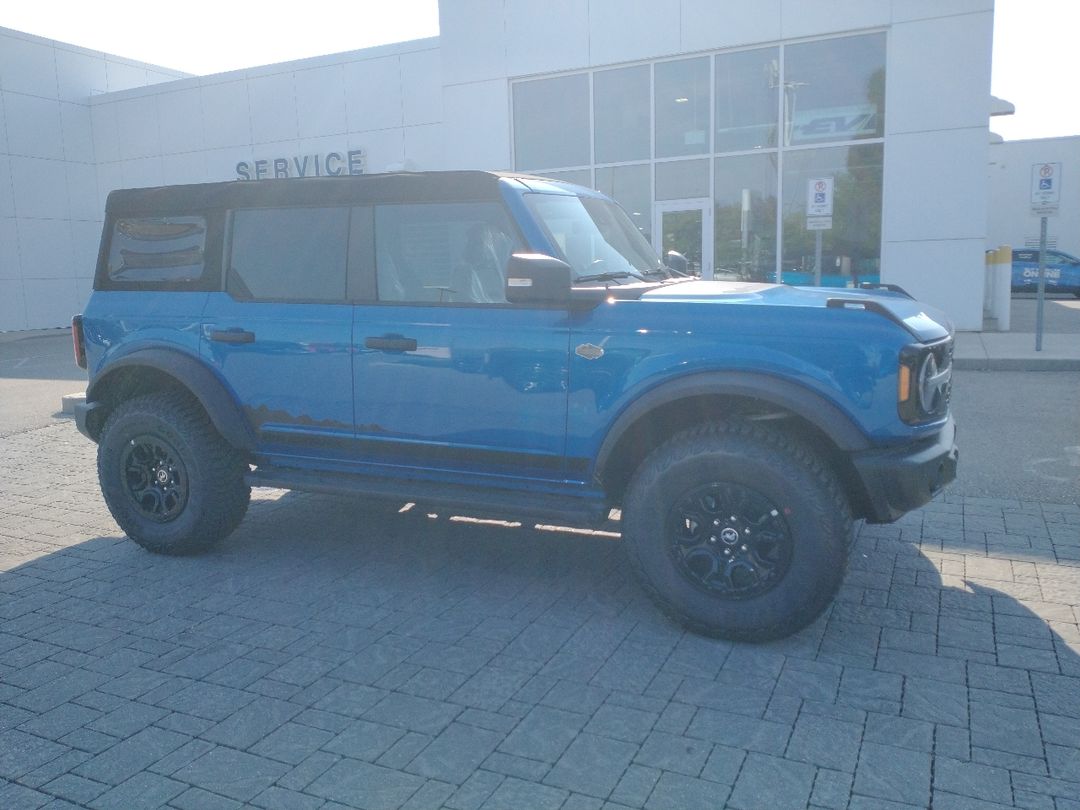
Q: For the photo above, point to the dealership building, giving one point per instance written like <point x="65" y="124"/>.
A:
<point x="710" y="121"/>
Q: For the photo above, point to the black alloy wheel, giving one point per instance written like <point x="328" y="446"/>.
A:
<point x="730" y="540"/>
<point x="155" y="478"/>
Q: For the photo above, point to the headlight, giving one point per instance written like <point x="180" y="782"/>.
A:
<point x="925" y="382"/>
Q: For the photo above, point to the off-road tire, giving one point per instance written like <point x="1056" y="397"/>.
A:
<point x="216" y="496"/>
<point x="778" y="467"/>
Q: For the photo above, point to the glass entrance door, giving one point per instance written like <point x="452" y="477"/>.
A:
<point x="686" y="226"/>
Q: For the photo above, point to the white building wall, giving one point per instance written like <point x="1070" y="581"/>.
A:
<point x="936" y="144"/>
<point x="1010" y="219"/>
<point x="385" y="101"/>
<point x="50" y="220"/>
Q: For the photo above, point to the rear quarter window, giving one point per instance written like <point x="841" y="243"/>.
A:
<point x="157" y="251"/>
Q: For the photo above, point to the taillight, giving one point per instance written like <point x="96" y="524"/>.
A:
<point x="77" y="341"/>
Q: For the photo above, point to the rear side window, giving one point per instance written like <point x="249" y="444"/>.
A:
<point x="157" y="250"/>
<point x="288" y="254"/>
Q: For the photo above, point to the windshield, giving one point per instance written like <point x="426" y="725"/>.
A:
<point x="595" y="236"/>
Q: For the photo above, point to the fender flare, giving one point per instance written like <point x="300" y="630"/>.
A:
<point x="790" y="396"/>
<point x="203" y="383"/>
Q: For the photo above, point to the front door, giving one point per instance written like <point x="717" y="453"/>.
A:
<point x="450" y="379"/>
<point x="686" y="226"/>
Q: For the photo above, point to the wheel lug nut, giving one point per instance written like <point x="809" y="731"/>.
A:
<point x="743" y="548"/>
<point x="716" y="522"/>
<point x="712" y="539"/>
<point x="727" y="552"/>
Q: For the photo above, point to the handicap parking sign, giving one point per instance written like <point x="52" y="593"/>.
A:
<point x="819" y="196"/>
<point x="1046" y="183"/>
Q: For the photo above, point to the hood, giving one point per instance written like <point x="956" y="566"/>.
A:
<point x="925" y="322"/>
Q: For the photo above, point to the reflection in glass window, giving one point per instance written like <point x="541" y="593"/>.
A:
<point x="581" y="177"/>
<point x="682" y="179"/>
<point x="747" y="83"/>
<point x="744" y="227"/>
<point x="834" y="89"/>
<point x="851" y="249"/>
<point x="157" y="249"/>
<point x="288" y="254"/>
<point x="631" y="188"/>
<point x="682" y="107"/>
<point x="621" y="114"/>
<point x="551" y="123"/>
<point x="443" y="252"/>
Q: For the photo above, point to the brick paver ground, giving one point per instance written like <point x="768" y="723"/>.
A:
<point x="327" y="657"/>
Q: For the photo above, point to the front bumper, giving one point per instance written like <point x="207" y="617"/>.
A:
<point x="899" y="479"/>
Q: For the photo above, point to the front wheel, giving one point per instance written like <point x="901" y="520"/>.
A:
<point x="737" y="531"/>
<point x="169" y="479"/>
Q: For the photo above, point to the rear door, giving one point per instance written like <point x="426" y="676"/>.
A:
<point x="280" y="334"/>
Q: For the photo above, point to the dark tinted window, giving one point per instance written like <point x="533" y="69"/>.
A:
<point x="289" y="254"/>
<point x="157" y="249"/>
<point x="443" y="252"/>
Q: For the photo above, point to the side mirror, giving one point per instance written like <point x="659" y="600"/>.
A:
<point x="533" y="278"/>
<point x="677" y="262"/>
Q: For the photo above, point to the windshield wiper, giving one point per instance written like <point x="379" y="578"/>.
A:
<point x="612" y="275"/>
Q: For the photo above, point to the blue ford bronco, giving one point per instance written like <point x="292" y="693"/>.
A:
<point x="510" y="346"/>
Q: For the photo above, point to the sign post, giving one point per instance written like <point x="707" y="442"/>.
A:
<point x="819" y="213"/>
<point x="1045" y="199"/>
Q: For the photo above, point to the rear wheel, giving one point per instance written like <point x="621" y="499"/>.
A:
<point x="168" y="477"/>
<point x="737" y="531"/>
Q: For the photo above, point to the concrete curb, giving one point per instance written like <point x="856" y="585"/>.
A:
<point x="69" y="401"/>
<point x="1016" y="364"/>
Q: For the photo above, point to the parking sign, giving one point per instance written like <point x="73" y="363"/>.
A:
<point x="1045" y="188"/>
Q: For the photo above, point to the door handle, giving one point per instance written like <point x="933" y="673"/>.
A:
<point x="234" y="335"/>
<point x="391" y="343"/>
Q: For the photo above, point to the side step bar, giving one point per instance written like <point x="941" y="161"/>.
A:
<point x="588" y="509"/>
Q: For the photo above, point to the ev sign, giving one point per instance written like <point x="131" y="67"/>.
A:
<point x="1045" y="188"/>
<point x="819" y="203"/>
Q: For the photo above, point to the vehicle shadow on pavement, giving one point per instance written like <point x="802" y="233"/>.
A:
<point x="342" y="651"/>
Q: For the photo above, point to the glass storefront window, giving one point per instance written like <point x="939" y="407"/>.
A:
<point x="682" y="179"/>
<point x="719" y="126"/>
<point x="682" y="107"/>
<point x="747" y="83"/>
<point x="834" y="90"/>
<point x="744" y="217"/>
<point x="851" y="249"/>
<point x="631" y="188"/>
<point x="621" y="114"/>
<point x="551" y="123"/>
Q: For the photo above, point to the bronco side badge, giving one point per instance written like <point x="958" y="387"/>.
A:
<point x="590" y="351"/>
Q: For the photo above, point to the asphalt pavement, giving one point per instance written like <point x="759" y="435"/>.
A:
<point x="37" y="369"/>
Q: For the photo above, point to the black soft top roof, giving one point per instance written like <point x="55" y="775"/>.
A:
<point x="345" y="190"/>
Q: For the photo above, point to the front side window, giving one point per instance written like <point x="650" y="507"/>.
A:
<point x="157" y="250"/>
<point x="443" y="252"/>
<point x="288" y="254"/>
<point x="594" y="236"/>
